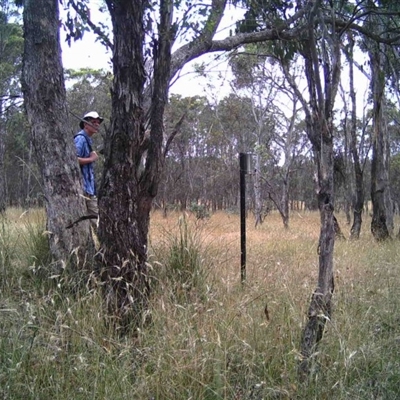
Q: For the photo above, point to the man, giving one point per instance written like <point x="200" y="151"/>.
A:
<point x="89" y="125"/>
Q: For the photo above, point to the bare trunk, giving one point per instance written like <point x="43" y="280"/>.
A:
<point x="348" y="181"/>
<point x="285" y="198"/>
<point x="281" y="204"/>
<point x="2" y="172"/>
<point x="320" y="132"/>
<point x="45" y="102"/>
<point x="320" y="309"/>
<point x="131" y="176"/>
<point x="358" y="202"/>
<point x="257" y="191"/>
<point x="347" y="205"/>
<point x="338" y="231"/>
<point x="28" y="199"/>
<point x="124" y="208"/>
<point x="381" y="221"/>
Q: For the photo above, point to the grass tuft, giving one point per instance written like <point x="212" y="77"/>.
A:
<point x="183" y="260"/>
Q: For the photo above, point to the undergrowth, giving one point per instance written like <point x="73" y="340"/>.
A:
<point x="210" y="337"/>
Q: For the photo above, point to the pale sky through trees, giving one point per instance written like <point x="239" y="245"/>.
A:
<point x="89" y="53"/>
<point x="85" y="53"/>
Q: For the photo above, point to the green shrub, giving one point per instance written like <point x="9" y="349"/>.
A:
<point x="199" y="210"/>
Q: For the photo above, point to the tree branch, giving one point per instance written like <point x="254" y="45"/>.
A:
<point x="86" y="18"/>
<point x="176" y="130"/>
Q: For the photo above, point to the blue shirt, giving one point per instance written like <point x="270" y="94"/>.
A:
<point x="83" y="145"/>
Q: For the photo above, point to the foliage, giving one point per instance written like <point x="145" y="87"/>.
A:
<point x="264" y="14"/>
<point x="199" y="210"/>
<point x="11" y="42"/>
<point x="11" y="45"/>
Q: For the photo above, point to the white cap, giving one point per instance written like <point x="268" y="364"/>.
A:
<point x="91" y="114"/>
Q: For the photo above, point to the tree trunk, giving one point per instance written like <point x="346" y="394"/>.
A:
<point x="285" y="197"/>
<point x="321" y="302"/>
<point x="28" y="200"/>
<point x="2" y="171"/>
<point x="381" y="204"/>
<point x="281" y="204"/>
<point x="257" y="191"/>
<point x="358" y="202"/>
<point x="319" y="112"/>
<point x="129" y="183"/>
<point x="45" y="102"/>
<point x="320" y="132"/>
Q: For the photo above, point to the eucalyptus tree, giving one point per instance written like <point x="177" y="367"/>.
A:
<point x="234" y="115"/>
<point x="45" y="101"/>
<point x="378" y="37"/>
<point x="277" y="133"/>
<point x="382" y="216"/>
<point x="11" y="44"/>
<point x="320" y="48"/>
<point x="322" y="83"/>
<point x="190" y="160"/>
<point x="250" y="78"/>
<point x="87" y="89"/>
<point x="359" y="148"/>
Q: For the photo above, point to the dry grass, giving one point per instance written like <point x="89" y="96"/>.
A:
<point x="209" y="338"/>
<point x="282" y="268"/>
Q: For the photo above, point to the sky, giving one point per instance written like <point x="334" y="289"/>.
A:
<point x="89" y="53"/>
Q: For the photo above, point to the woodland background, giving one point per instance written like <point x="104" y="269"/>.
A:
<point x="261" y="116"/>
<point x="296" y="104"/>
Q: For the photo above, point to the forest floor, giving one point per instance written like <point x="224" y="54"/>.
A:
<point x="209" y="335"/>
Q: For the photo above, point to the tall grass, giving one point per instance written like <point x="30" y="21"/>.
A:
<point x="183" y="260"/>
<point x="210" y="337"/>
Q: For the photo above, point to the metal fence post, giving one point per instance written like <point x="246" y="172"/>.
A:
<point x="244" y="163"/>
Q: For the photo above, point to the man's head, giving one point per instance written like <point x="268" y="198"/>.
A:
<point x="90" y="122"/>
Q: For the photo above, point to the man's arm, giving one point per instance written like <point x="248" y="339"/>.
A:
<point x="87" y="160"/>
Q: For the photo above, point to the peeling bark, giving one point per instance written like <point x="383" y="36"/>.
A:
<point x="382" y="216"/>
<point x="132" y="170"/>
<point x="320" y="132"/>
<point x="45" y="102"/>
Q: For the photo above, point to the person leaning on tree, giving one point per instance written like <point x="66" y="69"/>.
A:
<point x="89" y="125"/>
